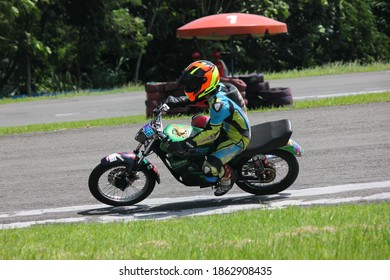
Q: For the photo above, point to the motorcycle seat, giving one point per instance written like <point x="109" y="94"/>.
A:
<point x="268" y="136"/>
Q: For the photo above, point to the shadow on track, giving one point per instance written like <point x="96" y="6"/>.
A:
<point x="198" y="206"/>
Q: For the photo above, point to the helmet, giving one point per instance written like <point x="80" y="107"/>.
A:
<point x="199" y="79"/>
<point x="200" y="121"/>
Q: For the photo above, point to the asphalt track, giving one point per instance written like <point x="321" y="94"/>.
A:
<point x="44" y="175"/>
<point x="128" y="104"/>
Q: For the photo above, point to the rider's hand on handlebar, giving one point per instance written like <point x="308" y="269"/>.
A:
<point x="163" y="108"/>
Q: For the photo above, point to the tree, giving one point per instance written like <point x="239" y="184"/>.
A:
<point x="8" y="44"/>
<point x="63" y="45"/>
<point x="20" y="44"/>
<point x="133" y="32"/>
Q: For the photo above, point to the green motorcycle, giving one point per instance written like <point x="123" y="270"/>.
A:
<point x="267" y="166"/>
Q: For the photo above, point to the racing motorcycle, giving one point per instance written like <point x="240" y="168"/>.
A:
<point x="267" y="166"/>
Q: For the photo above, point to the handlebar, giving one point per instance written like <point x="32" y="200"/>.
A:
<point x="160" y="109"/>
<point x="157" y="122"/>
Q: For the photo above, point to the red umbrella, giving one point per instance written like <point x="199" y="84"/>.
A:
<point x="226" y="26"/>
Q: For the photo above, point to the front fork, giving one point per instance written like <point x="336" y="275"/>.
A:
<point x="133" y="161"/>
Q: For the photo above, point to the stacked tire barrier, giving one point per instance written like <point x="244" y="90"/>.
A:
<point x="256" y="92"/>
<point x="260" y="94"/>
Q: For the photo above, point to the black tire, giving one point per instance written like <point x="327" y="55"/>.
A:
<point x="253" y="78"/>
<point x="149" y="112"/>
<point x="115" y="189"/>
<point x="258" y="87"/>
<point x="155" y="87"/>
<point x="159" y="96"/>
<point x="152" y="103"/>
<point x="277" y="92"/>
<point x="279" y="102"/>
<point x="285" y="175"/>
<point x="255" y="102"/>
<point x="171" y="86"/>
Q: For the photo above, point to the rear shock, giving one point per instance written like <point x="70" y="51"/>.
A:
<point x="261" y="162"/>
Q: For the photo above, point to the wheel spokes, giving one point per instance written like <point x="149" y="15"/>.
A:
<point x="119" y="185"/>
<point x="276" y="172"/>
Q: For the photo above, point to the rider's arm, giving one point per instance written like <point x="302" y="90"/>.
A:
<point x="175" y="102"/>
<point x="219" y="111"/>
<point x="207" y="136"/>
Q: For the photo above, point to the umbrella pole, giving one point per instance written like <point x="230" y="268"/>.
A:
<point x="232" y="56"/>
<point x="197" y="44"/>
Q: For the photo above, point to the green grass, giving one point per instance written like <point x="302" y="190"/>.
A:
<point x="306" y="104"/>
<point x="128" y="88"/>
<point x="71" y="125"/>
<point x="329" y="69"/>
<point x="340" y="232"/>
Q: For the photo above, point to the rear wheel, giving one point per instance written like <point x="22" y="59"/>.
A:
<point x="115" y="185"/>
<point x="281" y="173"/>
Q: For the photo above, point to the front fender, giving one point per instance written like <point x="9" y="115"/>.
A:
<point x="293" y="148"/>
<point x="130" y="158"/>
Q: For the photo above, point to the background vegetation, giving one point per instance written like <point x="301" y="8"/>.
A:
<point x="63" y="45"/>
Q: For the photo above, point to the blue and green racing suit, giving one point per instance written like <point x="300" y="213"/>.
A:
<point x="228" y="127"/>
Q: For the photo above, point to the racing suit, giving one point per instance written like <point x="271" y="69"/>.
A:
<point x="228" y="127"/>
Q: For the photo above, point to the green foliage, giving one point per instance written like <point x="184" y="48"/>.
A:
<point x="18" y="43"/>
<point x="69" y="44"/>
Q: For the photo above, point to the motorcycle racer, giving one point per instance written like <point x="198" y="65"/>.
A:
<point x="227" y="125"/>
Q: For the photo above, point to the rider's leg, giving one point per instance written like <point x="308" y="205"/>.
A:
<point x="216" y="168"/>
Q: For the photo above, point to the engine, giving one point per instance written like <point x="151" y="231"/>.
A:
<point x="187" y="170"/>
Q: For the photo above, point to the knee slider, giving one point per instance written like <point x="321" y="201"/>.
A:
<point x="213" y="167"/>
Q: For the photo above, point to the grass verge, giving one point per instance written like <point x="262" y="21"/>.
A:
<point x="342" y="232"/>
<point x="305" y="104"/>
<point x="330" y="69"/>
<point x="129" y="88"/>
<point x="327" y="69"/>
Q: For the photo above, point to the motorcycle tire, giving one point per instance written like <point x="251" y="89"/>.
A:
<point x="280" y="175"/>
<point x="113" y="185"/>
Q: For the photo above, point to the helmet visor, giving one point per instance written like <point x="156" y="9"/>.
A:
<point x="192" y="83"/>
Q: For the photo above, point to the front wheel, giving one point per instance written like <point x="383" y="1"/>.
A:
<point x="116" y="185"/>
<point x="281" y="173"/>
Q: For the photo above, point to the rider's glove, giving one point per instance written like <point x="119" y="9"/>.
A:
<point x="175" y="102"/>
<point x="161" y="108"/>
<point x="155" y="111"/>
<point x="170" y="99"/>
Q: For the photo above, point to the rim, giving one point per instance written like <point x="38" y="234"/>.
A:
<point x="116" y="185"/>
<point x="278" y="171"/>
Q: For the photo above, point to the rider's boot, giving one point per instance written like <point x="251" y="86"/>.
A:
<point x="226" y="182"/>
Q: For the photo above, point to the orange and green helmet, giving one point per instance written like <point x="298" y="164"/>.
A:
<point x="199" y="79"/>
